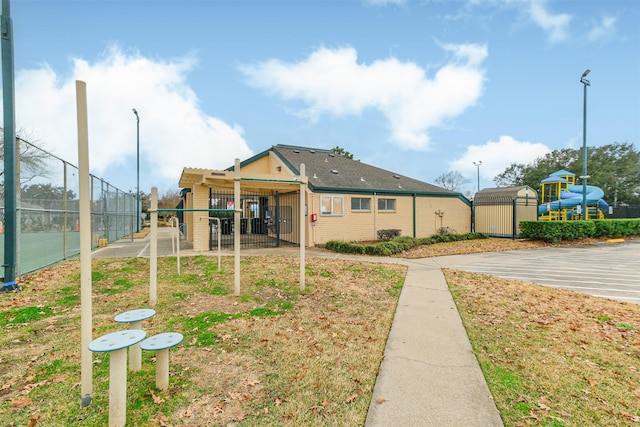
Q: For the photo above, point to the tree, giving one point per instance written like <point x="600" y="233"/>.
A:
<point x="614" y="167"/>
<point x="169" y="199"/>
<point x="45" y="194"/>
<point x="452" y="181"/>
<point x="342" y="152"/>
<point x="145" y="202"/>
<point x="32" y="161"/>
<point x="512" y="176"/>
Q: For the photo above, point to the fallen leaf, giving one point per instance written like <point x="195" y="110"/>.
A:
<point x="381" y="400"/>
<point x="543" y="407"/>
<point x="252" y="382"/>
<point x="352" y="398"/>
<point x="157" y="400"/>
<point x="316" y="409"/>
<point x="21" y="403"/>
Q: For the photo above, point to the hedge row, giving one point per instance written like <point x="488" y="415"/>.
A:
<point x="557" y="231"/>
<point x="397" y="245"/>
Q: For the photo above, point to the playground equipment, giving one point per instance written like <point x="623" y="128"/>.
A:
<point x="116" y="344"/>
<point x="161" y="344"/>
<point x="134" y="319"/>
<point x="562" y="198"/>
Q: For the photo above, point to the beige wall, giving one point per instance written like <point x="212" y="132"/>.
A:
<point x="455" y="215"/>
<point x="199" y="224"/>
<point x="267" y="165"/>
<point x="363" y="226"/>
<point x="260" y="166"/>
<point x="188" y="216"/>
<point x="351" y="225"/>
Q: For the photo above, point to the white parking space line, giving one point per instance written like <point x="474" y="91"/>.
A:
<point x="143" y="249"/>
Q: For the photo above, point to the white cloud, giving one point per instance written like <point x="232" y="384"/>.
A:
<point x="556" y="26"/>
<point x="332" y="82"/>
<point x="603" y="30"/>
<point x="496" y="156"/>
<point x="174" y="132"/>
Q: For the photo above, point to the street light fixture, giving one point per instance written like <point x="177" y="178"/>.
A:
<point x="137" y="170"/>
<point x="584" y="176"/>
<point x="478" y="166"/>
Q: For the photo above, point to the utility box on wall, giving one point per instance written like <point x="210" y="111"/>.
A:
<point x="499" y="211"/>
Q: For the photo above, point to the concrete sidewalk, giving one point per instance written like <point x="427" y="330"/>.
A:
<point x="429" y="375"/>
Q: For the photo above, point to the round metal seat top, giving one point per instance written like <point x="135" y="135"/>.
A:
<point x="161" y="341"/>
<point x="135" y="315"/>
<point x="117" y="340"/>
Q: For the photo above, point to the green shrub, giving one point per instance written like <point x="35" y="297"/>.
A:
<point x="386" y="235"/>
<point x="396" y="245"/>
<point x="557" y="231"/>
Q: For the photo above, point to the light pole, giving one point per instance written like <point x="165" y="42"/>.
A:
<point x="478" y="166"/>
<point x="137" y="170"/>
<point x="584" y="176"/>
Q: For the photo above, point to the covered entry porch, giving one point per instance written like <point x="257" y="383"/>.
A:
<point x="265" y="211"/>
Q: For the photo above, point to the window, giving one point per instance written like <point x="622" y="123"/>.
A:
<point x="386" y="204"/>
<point x="331" y="205"/>
<point x="360" y="204"/>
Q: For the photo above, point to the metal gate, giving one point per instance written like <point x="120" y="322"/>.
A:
<point x="267" y="219"/>
<point x="501" y="218"/>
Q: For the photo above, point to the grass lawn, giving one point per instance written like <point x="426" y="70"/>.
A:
<point x="279" y="356"/>
<point x="552" y="357"/>
<point x="272" y="356"/>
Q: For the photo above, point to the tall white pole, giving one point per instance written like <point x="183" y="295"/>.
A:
<point x="236" y="234"/>
<point x="303" y="224"/>
<point x="585" y="82"/>
<point x="137" y="170"/>
<point x="153" y="248"/>
<point x="86" y="371"/>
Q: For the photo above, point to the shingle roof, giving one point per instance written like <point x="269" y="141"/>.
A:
<point x="502" y="190"/>
<point x="500" y="194"/>
<point x="330" y="172"/>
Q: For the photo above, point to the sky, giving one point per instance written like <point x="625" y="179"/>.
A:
<point x="420" y="88"/>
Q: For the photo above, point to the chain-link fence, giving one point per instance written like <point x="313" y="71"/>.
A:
<point x="48" y="210"/>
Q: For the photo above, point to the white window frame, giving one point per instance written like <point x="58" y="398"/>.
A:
<point x="332" y="200"/>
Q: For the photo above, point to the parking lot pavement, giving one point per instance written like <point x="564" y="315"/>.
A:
<point x="610" y="270"/>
